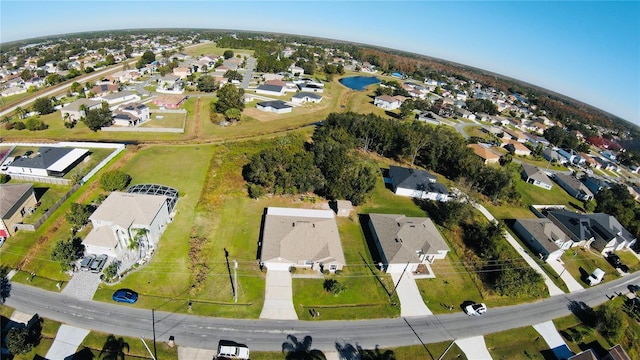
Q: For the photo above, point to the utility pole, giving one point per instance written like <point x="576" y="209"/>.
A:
<point x="235" y="281"/>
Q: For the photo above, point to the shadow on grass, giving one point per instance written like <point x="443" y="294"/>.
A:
<point x="39" y="192"/>
<point x="583" y="312"/>
<point x="350" y="352"/>
<point x="301" y="349"/>
<point x="84" y="354"/>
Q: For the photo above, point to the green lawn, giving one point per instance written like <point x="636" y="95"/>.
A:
<point x="629" y="259"/>
<point x="583" y="264"/>
<point x="95" y="341"/>
<point x="451" y="287"/>
<point x="212" y="48"/>
<point x="165" y="120"/>
<point x="523" y="343"/>
<point x="8" y="101"/>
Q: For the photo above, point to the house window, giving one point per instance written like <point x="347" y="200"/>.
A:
<point x="333" y="267"/>
<point x="308" y="262"/>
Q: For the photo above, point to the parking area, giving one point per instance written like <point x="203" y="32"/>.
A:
<point x="83" y="285"/>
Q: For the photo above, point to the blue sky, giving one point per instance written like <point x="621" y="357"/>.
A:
<point x="583" y="49"/>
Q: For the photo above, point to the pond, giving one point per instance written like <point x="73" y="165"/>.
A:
<point x="359" y="82"/>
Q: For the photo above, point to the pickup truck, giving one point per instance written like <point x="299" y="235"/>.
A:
<point x="232" y="350"/>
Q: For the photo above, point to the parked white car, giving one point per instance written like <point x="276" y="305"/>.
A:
<point x="596" y="277"/>
<point x="232" y="350"/>
<point x="476" y="309"/>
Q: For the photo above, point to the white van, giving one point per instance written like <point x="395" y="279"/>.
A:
<point x="596" y="277"/>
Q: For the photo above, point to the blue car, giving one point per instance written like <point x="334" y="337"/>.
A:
<point x="126" y="296"/>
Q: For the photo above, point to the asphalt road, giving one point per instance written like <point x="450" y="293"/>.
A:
<point x="251" y="62"/>
<point x="269" y="335"/>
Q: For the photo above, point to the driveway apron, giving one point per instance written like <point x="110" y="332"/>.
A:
<point x="278" y="298"/>
<point x="66" y="342"/>
<point x="474" y="348"/>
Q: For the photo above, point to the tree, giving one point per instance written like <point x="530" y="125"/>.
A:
<point x="4" y="178"/>
<point x="206" y="83"/>
<point x="233" y="114"/>
<point x="147" y="58"/>
<point x="233" y="75"/>
<point x="301" y="350"/>
<point x="610" y="322"/>
<point x="75" y="87"/>
<point x="95" y="119"/>
<point x="78" y="215"/>
<point x="229" y="97"/>
<point x="20" y="112"/>
<point x="228" y="54"/>
<point x="26" y="74"/>
<point x="333" y="286"/>
<point x="18" y="341"/>
<point x="67" y="251"/>
<point x="114" y="180"/>
<point x="109" y="60"/>
<point x="35" y="124"/>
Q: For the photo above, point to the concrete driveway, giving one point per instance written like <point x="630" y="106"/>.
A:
<point x="67" y="341"/>
<point x="569" y="280"/>
<point x="551" y="336"/>
<point x="189" y="353"/>
<point x="411" y="303"/>
<point x="83" y="285"/>
<point x="278" y="297"/>
<point x="474" y="348"/>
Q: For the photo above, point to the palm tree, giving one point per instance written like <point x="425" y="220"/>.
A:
<point x="376" y="354"/>
<point x="296" y="350"/>
<point x="114" y="348"/>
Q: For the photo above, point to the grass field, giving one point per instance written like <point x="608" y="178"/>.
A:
<point x="165" y="120"/>
<point x="211" y="48"/>
<point x="8" y="101"/>
<point x="515" y="344"/>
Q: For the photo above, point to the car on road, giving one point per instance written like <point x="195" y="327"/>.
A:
<point x="86" y="262"/>
<point x="125" y="296"/>
<point x="475" y="309"/>
<point x="98" y="263"/>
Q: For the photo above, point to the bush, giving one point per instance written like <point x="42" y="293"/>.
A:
<point x="35" y="124"/>
<point x="67" y="251"/>
<point x="111" y="271"/>
<point x="333" y="286"/>
<point x="114" y="180"/>
<point x="256" y="191"/>
<point x="4" y="178"/>
<point x="19" y="125"/>
<point x="10" y="125"/>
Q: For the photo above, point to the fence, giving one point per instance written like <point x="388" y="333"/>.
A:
<point x="118" y="149"/>
<point x="41" y="179"/>
<point x="49" y="212"/>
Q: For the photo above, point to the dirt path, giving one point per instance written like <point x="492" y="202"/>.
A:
<point x="197" y="121"/>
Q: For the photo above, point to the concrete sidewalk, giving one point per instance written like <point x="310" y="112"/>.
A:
<point x="551" y="336"/>
<point x="553" y="289"/>
<point x="278" y="296"/>
<point x="474" y="348"/>
<point x="188" y="353"/>
<point x="568" y="279"/>
<point x="411" y="303"/>
<point x="67" y="341"/>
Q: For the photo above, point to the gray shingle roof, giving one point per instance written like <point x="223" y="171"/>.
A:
<point x="535" y="173"/>
<point x="401" y="237"/>
<point x="276" y="104"/>
<point x="410" y="178"/>
<point x="268" y="87"/>
<point x="304" y="94"/>
<point x="10" y="194"/>
<point x="46" y="157"/>
<point x="545" y="232"/>
<point x="301" y="234"/>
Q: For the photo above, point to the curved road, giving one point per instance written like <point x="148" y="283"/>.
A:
<point x="268" y="335"/>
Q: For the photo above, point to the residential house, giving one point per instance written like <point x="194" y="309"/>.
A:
<point x="182" y="72"/>
<point x="533" y="175"/>
<point x="275" y="106"/>
<point x="407" y="243"/>
<point x="300" y="238"/>
<point x="120" y="217"/>
<point x="267" y="89"/>
<point x="600" y="231"/>
<point x="573" y="186"/>
<point x="610" y="155"/>
<point x="543" y="237"/>
<point x="572" y="156"/>
<point x="465" y="114"/>
<point x="16" y="202"/>
<point x="304" y="97"/>
<point x="605" y="164"/>
<point x="170" y="101"/>
<point x="48" y="161"/>
<point x="120" y="97"/>
<point x="589" y="161"/>
<point x="170" y="84"/>
<point x="296" y="70"/>
<point x="387" y="102"/>
<point x="417" y="183"/>
<point x="551" y="155"/>
<point x="76" y="110"/>
<point x="268" y="77"/>
<point x="516" y="147"/>
<point x="514" y="135"/>
<point x="487" y="156"/>
<point x="616" y="353"/>
<point x="595" y="184"/>
<point x="132" y="114"/>
<point x="105" y="89"/>
<point x="308" y="87"/>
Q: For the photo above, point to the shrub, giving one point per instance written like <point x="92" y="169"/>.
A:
<point x="114" y="180"/>
<point x="111" y="271"/>
<point x="333" y="286"/>
<point x="10" y="125"/>
<point x="256" y="191"/>
<point x="19" y="125"/>
<point x="67" y="251"/>
<point x="4" y="178"/>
